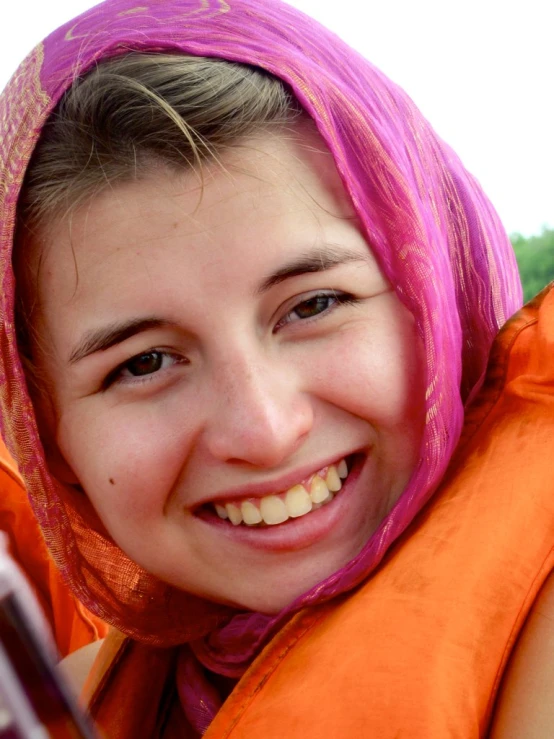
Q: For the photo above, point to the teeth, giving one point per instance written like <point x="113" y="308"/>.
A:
<point x="297" y="501"/>
<point x="273" y="510"/>
<point x="333" y="480"/>
<point x="250" y="513"/>
<point x="319" y="492"/>
<point x="233" y="511"/>
<point x="221" y="511"/>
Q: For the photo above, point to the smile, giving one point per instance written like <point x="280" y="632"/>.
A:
<point x="309" y="495"/>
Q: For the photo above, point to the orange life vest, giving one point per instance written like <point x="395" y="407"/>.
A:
<point x="419" y="650"/>
<point x="72" y="625"/>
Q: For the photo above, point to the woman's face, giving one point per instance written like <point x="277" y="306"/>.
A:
<point x="231" y="349"/>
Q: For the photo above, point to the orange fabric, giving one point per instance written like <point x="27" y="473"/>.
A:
<point x="420" y="649"/>
<point x="71" y="624"/>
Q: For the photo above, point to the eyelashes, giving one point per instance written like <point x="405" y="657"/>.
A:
<point x="315" y="306"/>
<point x="145" y="364"/>
<point x="144" y="367"/>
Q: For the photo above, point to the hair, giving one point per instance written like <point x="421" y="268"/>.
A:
<point x="139" y="110"/>
<point x="120" y="121"/>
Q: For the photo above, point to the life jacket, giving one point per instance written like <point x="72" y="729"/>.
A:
<point x="72" y="625"/>
<point x="419" y="649"/>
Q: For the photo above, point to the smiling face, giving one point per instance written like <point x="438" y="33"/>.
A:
<point x="222" y="362"/>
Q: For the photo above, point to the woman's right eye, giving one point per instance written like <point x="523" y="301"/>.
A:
<point x="143" y="364"/>
<point x="143" y="367"/>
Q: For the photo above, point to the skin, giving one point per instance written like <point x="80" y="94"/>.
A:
<point x="255" y="385"/>
<point x="77" y="665"/>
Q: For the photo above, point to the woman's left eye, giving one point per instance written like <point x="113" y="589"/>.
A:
<point x="314" y="306"/>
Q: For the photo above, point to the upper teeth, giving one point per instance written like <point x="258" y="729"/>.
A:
<point x="293" y="503"/>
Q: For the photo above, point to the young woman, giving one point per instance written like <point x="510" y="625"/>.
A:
<point x="253" y="292"/>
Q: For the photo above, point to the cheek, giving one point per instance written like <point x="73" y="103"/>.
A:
<point x="376" y="370"/>
<point x="128" y="458"/>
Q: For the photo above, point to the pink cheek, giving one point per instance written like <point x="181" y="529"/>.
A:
<point x="374" y="392"/>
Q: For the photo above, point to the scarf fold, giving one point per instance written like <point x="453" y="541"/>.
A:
<point x="434" y="233"/>
<point x="199" y="698"/>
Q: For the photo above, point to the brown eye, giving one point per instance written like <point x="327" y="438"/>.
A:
<point x="313" y="306"/>
<point x="143" y="367"/>
<point x="145" y="364"/>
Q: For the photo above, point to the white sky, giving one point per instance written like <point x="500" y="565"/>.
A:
<point x="482" y="71"/>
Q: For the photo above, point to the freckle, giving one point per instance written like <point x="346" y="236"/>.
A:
<point x="112" y="481"/>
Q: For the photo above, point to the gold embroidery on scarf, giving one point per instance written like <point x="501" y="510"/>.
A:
<point x="72" y="35"/>
<point x="431" y="387"/>
<point x="20" y="101"/>
<point x="204" y="5"/>
<point x="433" y="412"/>
<point x="22" y="105"/>
<point x="132" y="11"/>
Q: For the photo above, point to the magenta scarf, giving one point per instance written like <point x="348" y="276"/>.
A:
<point x="432" y="229"/>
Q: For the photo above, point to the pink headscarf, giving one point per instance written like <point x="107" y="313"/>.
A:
<point x="430" y="226"/>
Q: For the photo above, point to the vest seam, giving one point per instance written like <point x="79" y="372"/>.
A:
<point x="260" y="683"/>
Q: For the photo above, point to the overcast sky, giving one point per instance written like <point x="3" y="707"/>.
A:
<point x="482" y="71"/>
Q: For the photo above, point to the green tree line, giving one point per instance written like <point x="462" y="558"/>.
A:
<point x="535" y="258"/>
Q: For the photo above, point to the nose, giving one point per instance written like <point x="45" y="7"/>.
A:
<point x="261" y="415"/>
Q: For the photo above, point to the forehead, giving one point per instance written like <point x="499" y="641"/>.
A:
<point x="265" y="196"/>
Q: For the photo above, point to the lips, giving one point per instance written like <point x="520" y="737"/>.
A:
<point x="301" y="499"/>
<point x="324" y="520"/>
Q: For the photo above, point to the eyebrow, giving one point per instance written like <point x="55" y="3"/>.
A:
<point x="98" y="340"/>
<point x="316" y="260"/>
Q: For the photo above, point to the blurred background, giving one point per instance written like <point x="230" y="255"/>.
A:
<point x="482" y="71"/>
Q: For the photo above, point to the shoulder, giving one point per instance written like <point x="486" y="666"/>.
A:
<point x="525" y="706"/>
